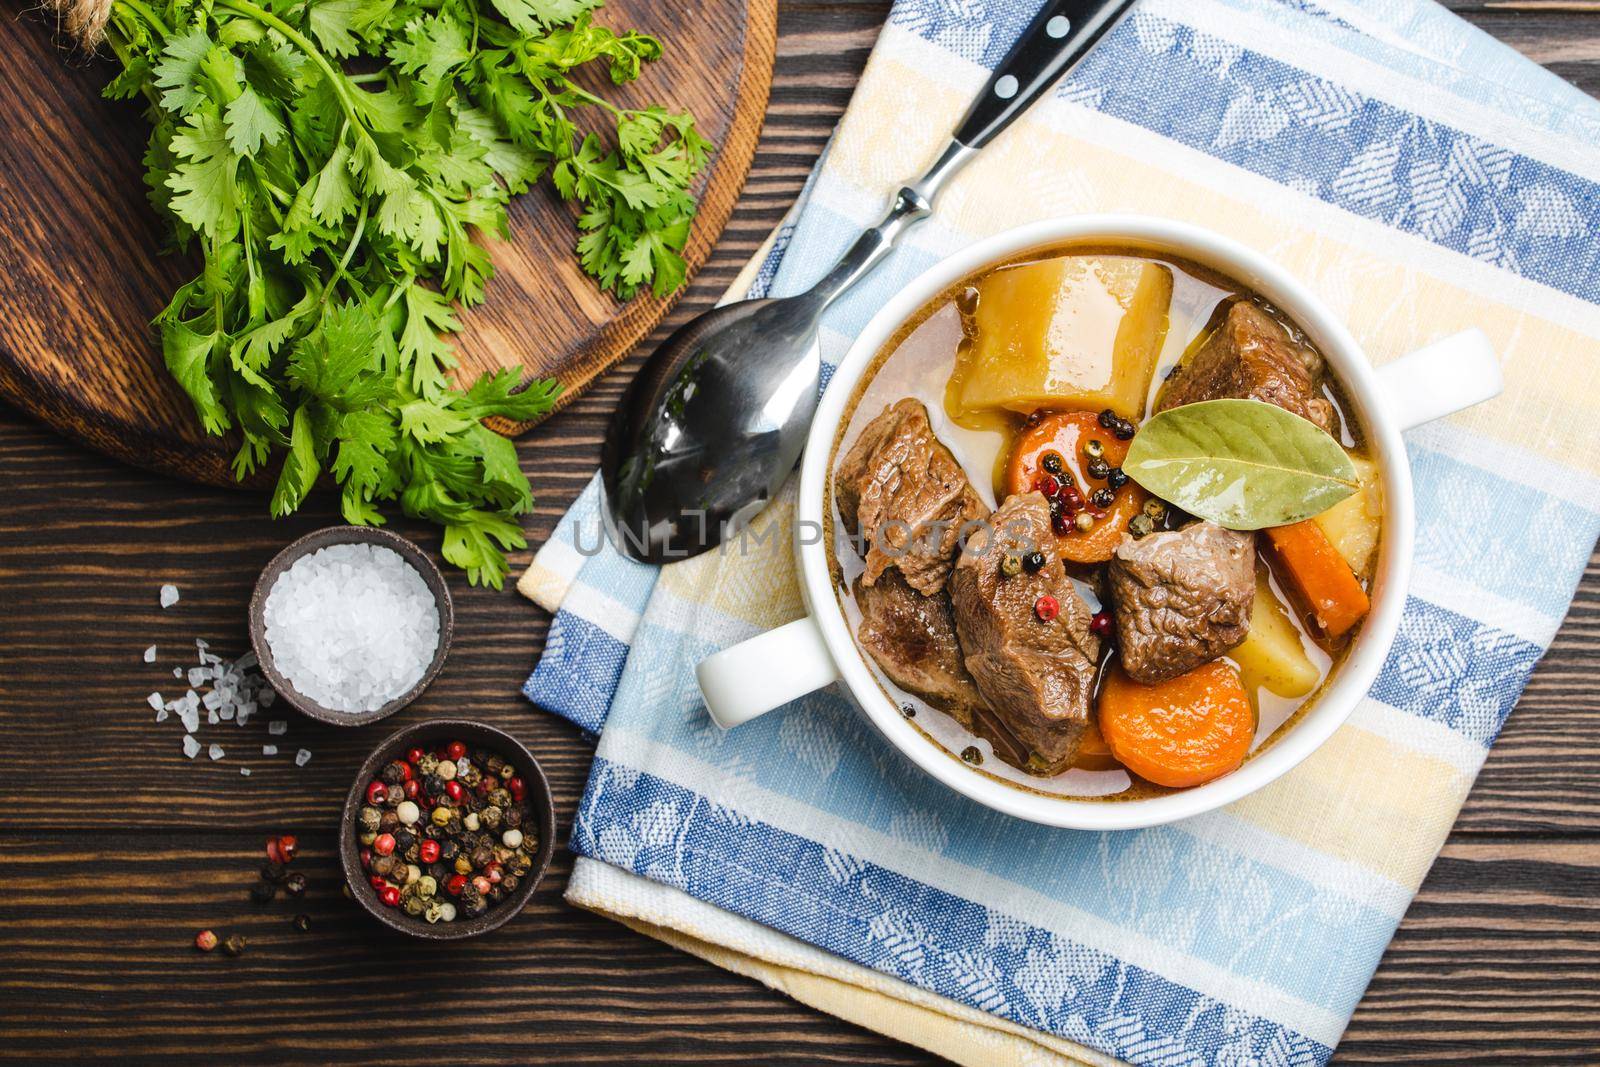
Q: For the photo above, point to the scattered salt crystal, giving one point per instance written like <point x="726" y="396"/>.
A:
<point x="225" y="713"/>
<point x="212" y="700"/>
<point x="269" y="750"/>
<point x="190" y="717"/>
<point x="352" y="626"/>
<point x="201" y="643"/>
<point x="215" y="752"/>
<point x="169" y="595"/>
<point x="211" y="718"/>
<point x="150" y="654"/>
<point x="190" y="746"/>
<point x="161" y="715"/>
<point x="277" y="727"/>
<point x="154" y="700"/>
<point x="245" y="771"/>
<point x="198" y="675"/>
<point x="246" y="661"/>
<point x="302" y="757"/>
<point x="177" y="672"/>
<point x="269" y="697"/>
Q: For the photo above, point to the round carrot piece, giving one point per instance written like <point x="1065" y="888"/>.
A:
<point x="1069" y="436"/>
<point x="1181" y="732"/>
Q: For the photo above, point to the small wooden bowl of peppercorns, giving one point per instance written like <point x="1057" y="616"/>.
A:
<point x="447" y="830"/>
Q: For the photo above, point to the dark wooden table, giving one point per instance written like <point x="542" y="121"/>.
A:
<point x="115" y="850"/>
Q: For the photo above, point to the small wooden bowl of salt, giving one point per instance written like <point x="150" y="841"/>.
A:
<point x="351" y="623"/>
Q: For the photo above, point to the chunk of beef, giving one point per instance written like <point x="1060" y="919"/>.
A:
<point x="1182" y="598"/>
<point x="913" y="638"/>
<point x="1252" y="356"/>
<point x="905" y="495"/>
<point x="1036" y="676"/>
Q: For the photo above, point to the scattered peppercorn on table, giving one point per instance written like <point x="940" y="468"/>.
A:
<point x="120" y="858"/>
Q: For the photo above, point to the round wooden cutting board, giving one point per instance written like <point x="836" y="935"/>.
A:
<point x="81" y="277"/>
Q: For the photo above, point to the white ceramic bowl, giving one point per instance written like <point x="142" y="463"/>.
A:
<point x="755" y="676"/>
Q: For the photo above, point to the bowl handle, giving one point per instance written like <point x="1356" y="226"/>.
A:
<point x="1441" y="379"/>
<point x="757" y="675"/>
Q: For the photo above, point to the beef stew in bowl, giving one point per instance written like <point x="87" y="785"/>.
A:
<point x="1036" y="588"/>
<point x="1241" y="463"/>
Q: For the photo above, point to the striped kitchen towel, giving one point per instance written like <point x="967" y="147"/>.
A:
<point x="1422" y="179"/>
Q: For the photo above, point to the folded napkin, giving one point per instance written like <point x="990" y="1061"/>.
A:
<point x="1418" y="176"/>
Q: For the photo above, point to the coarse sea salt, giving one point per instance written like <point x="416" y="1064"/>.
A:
<point x="150" y="654"/>
<point x="302" y="757"/>
<point x="169" y="595"/>
<point x="352" y="626"/>
<point x="191" y="747"/>
<point x="215" y="752"/>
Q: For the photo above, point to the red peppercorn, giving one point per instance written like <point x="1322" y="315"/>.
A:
<point x="288" y="845"/>
<point x="414" y="755"/>
<point x="1073" y="498"/>
<point x="1046" y="607"/>
<point x="481" y="884"/>
<point x="1060" y="523"/>
<point x="428" y="850"/>
<point x="390" y="895"/>
<point x="383" y="844"/>
<point x="366" y="858"/>
<point x="377" y="792"/>
<point x="493" y="872"/>
<point x="205" y="941"/>
<point x="412" y="788"/>
<point x="1101" y="624"/>
<point x="455" y="750"/>
<point x="376" y="881"/>
<point x="452" y="789"/>
<point x="518" y="788"/>
<point x="272" y="850"/>
<point x="456" y="884"/>
<point x="1047" y="485"/>
<point x="405" y="770"/>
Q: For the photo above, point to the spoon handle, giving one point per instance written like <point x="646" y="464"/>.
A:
<point x="1059" y="35"/>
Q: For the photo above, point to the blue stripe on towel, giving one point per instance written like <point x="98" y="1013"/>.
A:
<point x="915" y="932"/>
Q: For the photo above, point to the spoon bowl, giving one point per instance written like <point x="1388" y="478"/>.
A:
<point x="711" y="427"/>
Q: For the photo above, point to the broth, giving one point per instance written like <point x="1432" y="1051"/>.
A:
<point x="918" y="362"/>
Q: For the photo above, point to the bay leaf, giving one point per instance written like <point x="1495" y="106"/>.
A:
<point x="1243" y="464"/>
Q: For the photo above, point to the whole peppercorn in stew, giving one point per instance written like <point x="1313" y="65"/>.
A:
<point x="446" y="832"/>
<point x="1063" y="522"/>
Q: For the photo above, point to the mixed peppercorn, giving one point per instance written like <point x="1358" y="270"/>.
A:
<point x="446" y="833"/>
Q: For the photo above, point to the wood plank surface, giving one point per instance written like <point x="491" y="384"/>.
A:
<point x="114" y="849"/>
<point x="81" y="234"/>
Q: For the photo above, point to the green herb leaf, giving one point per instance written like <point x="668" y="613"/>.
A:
<point x="1243" y="464"/>
<point x="341" y="162"/>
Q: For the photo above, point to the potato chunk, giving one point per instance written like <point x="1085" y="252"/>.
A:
<point x="1353" y="523"/>
<point x="1273" y="656"/>
<point x="1069" y="332"/>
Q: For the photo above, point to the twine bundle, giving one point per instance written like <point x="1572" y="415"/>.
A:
<point x="84" y="19"/>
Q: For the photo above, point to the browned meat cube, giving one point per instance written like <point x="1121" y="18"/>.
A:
<point x="1035" y="673"/>
<point x="1251" y="356"/>
<point x="913" y="638"/>
<point x="905" y="495"/>
<point x="1181" y="598"/>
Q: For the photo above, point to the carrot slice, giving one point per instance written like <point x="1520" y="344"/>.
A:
<point x="1181" y="732"/>
<point x="1066" y="433"/>
<point x="1321" y="577"/>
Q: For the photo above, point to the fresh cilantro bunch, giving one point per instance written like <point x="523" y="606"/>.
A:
<point x="334" y="160"/>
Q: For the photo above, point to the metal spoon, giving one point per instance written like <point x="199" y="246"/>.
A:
<point x="717" y="417"/>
